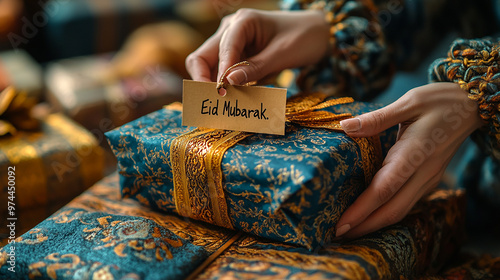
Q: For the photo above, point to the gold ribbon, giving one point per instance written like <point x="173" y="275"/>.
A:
<point x="302" y="110"/>
<point x="15" y="112"/>
<point x="196" y="157"/>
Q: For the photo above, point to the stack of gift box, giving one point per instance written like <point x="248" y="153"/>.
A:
<point x="76" y="99"/>
<point x="272" y="214"/>
<point x="80" y="69"/>
<point x="100" y="180"/>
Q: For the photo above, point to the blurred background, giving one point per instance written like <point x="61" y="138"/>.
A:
<point x="84" y="67"/>
<point x="103" y="63"/>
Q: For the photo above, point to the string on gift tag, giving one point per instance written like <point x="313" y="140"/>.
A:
<point x="221" y="85"/>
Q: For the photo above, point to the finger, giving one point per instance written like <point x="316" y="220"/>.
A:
<point x="200" y="63"/>
<point x="401" y="130"/>
<point x="258" y="68"/>
<point x="398" y="207"/>
<point x="372" y="123"/>
<point x="198" y="68"/>
<point x="401" y="162"/>
<point x="233" y="42"/>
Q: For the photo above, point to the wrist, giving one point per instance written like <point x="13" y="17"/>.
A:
<point x="468" y="109"/>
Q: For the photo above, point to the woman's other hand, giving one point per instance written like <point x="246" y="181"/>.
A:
<point x="433" y="121"/>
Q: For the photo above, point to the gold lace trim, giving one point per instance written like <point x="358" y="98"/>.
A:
<point x="198" y="188"/>
<point x="371" y="155"/>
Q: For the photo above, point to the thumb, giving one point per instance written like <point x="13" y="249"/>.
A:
<point x="372" y="123"/>
<point x="260" y="66"/>
<point x="248" y="73"/>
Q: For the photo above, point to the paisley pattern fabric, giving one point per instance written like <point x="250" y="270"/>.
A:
<point x="99" y="235"/>
<point x="359" y="63"/>
<point x="469" y="267"/>
<point x="419" y="244"/>
<point x="289" y="188"/>
<point x="473" y="65"/>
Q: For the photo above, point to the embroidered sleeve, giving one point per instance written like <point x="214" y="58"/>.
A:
<point x="475" y="66"/>
<point x="359" y="62"/>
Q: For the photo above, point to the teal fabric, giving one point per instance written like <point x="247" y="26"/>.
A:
<point x="86" y="245"/>
<point x="420" y="244"/>
<point x="289" y="188"/>
<point x="98" y="235"/>
<point x="101" y="236"/>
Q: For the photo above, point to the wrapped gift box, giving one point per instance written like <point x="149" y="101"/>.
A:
<point x="50" y="167"/>
<point x="83" y="27"/>
<point x="100" y="235"/>
<point x="18" y="69"/>
<point x="289" y="188"/>
<point x="83" y="89"/>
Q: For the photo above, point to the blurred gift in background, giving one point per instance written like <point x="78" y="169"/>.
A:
<point x="51" y="159"/>
<point x="57" y="29"/>
<point x="18" y="69"/>
<point x="87" y="67"/>
<point x="105" y="63"/>
<point x="108" y="90"/>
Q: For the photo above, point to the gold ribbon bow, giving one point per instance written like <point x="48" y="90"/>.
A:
<point x="303" y="110"/>
<point x="196" y="157"/>
<point x="15" y="112"/>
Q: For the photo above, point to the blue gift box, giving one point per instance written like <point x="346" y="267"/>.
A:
<point x="100" y="236"/>
<point x="81" y="27"/>
<point x="290" y="188"/>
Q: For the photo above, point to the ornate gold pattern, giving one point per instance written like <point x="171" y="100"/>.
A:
<point x="198" y="190"/>
<point x="100" y="197"/>
<point x="117" y="230"/>
<point x="196" y="158"/>
<point x="371" y="155"/>
<point x="251" y="257"/>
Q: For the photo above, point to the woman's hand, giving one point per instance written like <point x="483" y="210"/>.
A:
<point x="270" y="41"/>
<point x="433" y="121"/>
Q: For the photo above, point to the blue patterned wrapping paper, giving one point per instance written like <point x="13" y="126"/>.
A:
<point x="421" y="244"/>
<point x="289" y="188"/>
<point x="99" y="235"/>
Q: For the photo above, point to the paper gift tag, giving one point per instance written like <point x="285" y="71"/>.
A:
<point x="243" y="108"/>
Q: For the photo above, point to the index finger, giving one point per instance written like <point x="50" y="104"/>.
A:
<point x="201" y="63"/>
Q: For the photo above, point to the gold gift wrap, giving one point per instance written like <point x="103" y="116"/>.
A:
<point x="48" y="167"/>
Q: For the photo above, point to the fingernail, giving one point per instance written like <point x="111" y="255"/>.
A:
<point x="237" y="77"/>
<point x="342" y="230"/>
<point x="351" y="125"/>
